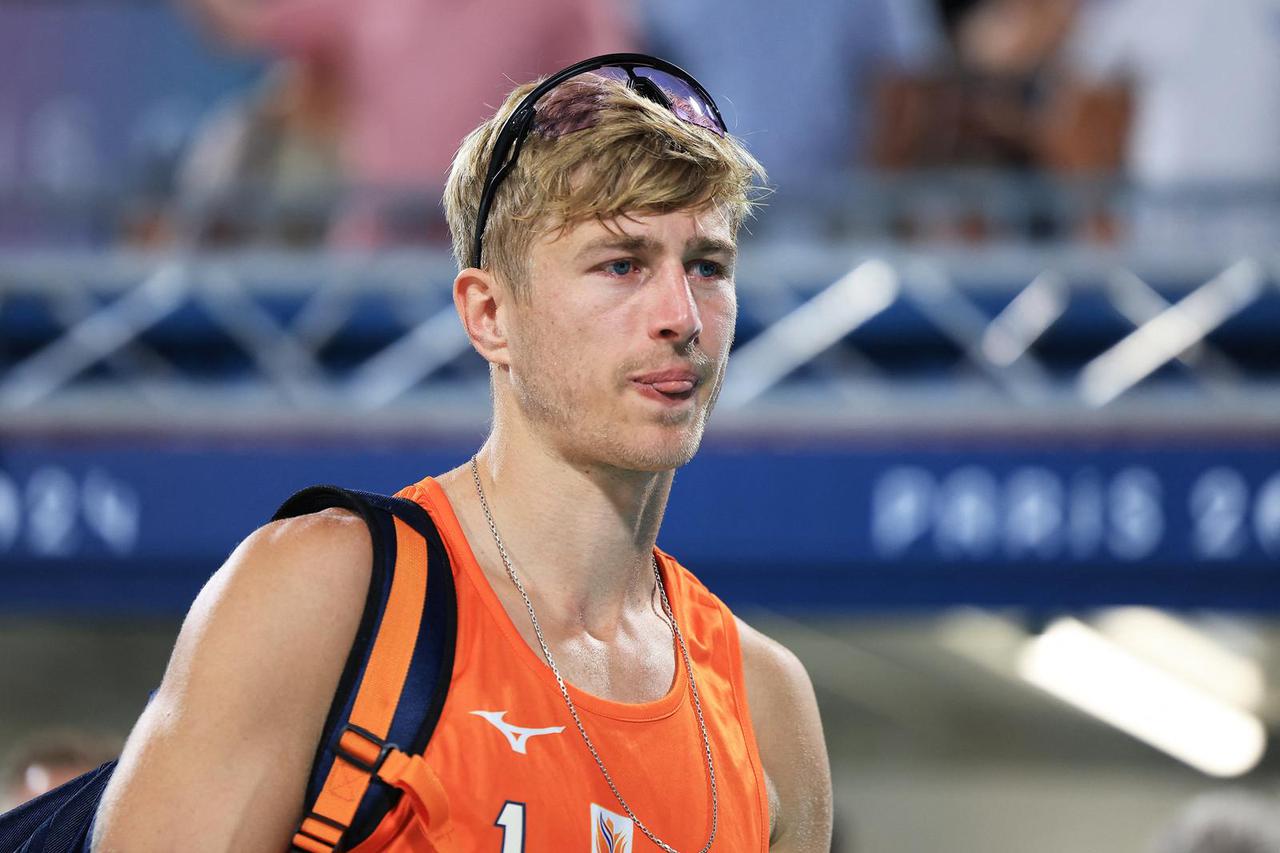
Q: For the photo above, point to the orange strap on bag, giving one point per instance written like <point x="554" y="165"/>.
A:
<point x="361" y="750"/>
<point x="361" y="746"/>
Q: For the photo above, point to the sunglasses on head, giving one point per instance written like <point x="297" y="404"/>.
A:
<point x="656" y="79"/>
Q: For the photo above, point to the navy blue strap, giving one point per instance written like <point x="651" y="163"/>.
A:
<point x="430" y="671"/>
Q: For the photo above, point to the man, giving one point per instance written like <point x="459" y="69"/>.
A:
<point x="601" y="698"/>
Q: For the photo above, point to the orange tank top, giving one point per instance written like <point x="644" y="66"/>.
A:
<point x="518" y="777"/>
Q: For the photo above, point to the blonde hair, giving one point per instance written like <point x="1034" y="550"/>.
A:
<point x="597" y="151"/>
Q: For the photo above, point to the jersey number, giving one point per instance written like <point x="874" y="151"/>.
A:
<point x="511" y="819"/>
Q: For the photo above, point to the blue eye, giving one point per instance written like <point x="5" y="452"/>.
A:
<point x="706" y="269"/>
<point x="620" y="267"/>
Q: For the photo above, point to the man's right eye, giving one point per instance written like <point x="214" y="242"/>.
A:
<point x="620" y="268"/>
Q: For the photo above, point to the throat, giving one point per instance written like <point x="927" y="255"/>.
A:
<point x="637" y="664"/>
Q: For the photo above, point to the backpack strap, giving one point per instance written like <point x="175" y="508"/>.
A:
<point x="396" y="678"/>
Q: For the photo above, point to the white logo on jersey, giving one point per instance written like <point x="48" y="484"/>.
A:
<point x="610" y="832"/>
<point x="517" y="736"/>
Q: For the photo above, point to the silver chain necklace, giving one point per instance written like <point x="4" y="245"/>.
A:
<point x="564" y="690"/>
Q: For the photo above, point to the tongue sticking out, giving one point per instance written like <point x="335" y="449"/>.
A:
<point x="674" y="386"/>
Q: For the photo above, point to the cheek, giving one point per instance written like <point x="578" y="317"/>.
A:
<point x="563" y="351"/>
<point x="720" y="318"/>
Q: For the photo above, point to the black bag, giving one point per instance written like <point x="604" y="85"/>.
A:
<point x="57" y="820"/>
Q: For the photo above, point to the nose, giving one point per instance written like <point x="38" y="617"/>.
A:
<point x="674" y="315"/>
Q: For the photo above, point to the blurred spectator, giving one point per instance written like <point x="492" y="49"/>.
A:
<point x="951" y="12"/>
<point x="979" y="113"/>
<point x="44" y="761"/>
<point x="1005" y="48"/>
<point x="264" y="167"/>
<point x="980" y="108"/>
<point x="798" y="87"/>
<point x="1013" y="38"/>
<point x="1224" y="822"/>
<point x="1203" y="144"/>
<point x="1205" y="77"/>
<point x="414" y="77"/>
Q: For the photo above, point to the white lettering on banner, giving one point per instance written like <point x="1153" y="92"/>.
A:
<point x="59" y="514"/>
<point x="901" y="509"/>
<point x="1086" y="517"/>
<point x="1033" y="513"/>
<point x="1036" y="513"/>
<point x="52" y="498"/>
<point x="966" y="514"/>
<point x="1266" y="516"/>
<point x="111" y="509"/>
<point x="1137" y="518"/>
<point x="1219" y="504"/>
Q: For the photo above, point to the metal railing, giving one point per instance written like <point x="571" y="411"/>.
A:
<point x="829" y="333"/>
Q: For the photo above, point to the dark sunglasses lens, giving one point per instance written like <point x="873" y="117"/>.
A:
<point x="686" y="103"/>
<point x="685" y="100"/>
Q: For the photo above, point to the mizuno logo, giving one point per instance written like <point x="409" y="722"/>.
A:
<point x="517" y="736"/>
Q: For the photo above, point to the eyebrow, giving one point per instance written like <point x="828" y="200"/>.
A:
<point x="639" y="244"/>
<point x="713" y="246"/>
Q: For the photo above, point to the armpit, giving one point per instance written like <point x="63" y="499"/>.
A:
<point x="775" y="803"/>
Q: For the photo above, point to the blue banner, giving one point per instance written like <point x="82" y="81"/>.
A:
<point x="137" y="525"/>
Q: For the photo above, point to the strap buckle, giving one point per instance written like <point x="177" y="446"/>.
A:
<point x="311" y="836"/>
<point x="384" y="749"/>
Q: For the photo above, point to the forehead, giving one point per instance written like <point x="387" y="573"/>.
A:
<point x="671" y="231"/>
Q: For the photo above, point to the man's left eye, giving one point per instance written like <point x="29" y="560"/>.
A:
<point x="706" y="269"/>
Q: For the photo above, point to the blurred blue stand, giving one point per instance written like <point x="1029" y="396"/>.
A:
<point x="136" y="525"/>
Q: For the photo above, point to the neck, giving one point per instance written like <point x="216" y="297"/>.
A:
<point x="580" y="535"/>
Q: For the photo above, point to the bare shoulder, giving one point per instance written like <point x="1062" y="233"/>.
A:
<point x="328" y="552"/>
<point x="286" y="584"/>
<point x="777" y="684"/>
<point x="784" y="714"/>
<point x="222" y="751"/>
<point x="769" y="661"/>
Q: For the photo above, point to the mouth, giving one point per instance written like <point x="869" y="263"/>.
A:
<point x="671" y="392"/>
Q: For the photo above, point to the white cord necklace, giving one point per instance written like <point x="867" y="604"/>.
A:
<point x="564" y="690"/>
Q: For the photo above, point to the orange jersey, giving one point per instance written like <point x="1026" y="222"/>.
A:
<point x="514" y="769"/>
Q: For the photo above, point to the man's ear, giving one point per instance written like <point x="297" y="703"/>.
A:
<point x="483" y="305"/>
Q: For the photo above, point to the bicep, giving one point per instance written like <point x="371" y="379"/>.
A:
<point x="784" y="714"/>
<point x="220" y="757"/>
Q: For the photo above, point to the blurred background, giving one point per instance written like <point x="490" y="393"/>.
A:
<point x="999" y="452"/>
